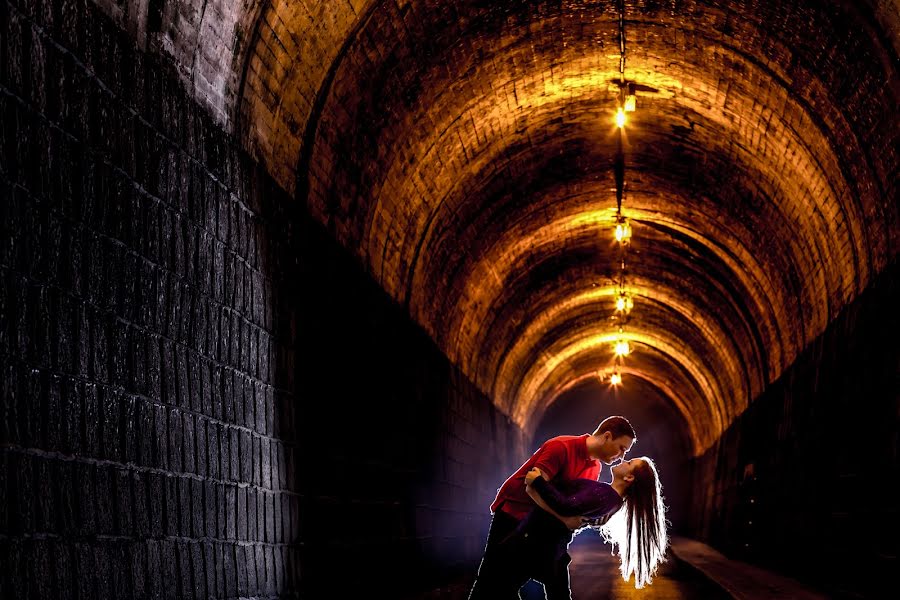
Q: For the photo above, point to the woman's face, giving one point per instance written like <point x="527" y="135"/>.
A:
<point x="626" y="468"/>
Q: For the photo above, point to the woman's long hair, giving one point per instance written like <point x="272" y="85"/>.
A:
<point x="638" y="529"/>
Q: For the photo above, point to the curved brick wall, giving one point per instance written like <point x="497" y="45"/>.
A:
<point x="199" y="392"/>
<point x="285" y="281"/>
<point x="761" y="162"/>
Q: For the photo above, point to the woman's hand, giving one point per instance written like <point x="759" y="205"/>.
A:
<point x="533" y="474"/>
<point x="572" y="523"/>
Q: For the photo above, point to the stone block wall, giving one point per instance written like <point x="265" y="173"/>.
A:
<point x="201" y="394"/>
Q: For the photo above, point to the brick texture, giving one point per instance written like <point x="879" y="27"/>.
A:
<point x="202" y="394"/>
<point x="765" y="140"/>
<point x="765" y="144"/>
<point x="759" y="163"/>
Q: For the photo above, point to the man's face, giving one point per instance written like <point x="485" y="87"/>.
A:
<point x="615" y="448"/>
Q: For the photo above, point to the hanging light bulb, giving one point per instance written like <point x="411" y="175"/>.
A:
<point x="623" y="230"/>
<point x="622" y="348"/>
<point x="624" y="302"/>
<point x="615" y="379"/>
<point x="630" y="98"/>
<point x="620" y="118"/>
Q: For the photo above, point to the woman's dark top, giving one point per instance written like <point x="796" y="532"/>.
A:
<point x="541" y="540"/>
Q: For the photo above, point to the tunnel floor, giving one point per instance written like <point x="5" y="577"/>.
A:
<point x="594" y="576"/>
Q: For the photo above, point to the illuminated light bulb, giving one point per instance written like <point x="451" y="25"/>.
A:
<point x="624" y="303"/>
<point x="620" y="118"/>
<point x="623" y="230"/>
<point x="622" y="348"/>
<point x="615" y="379"/>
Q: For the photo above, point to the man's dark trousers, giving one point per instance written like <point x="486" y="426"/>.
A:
<point x="497" y="578"/>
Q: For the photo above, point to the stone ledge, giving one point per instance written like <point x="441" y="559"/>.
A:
<point x="741" y="580"/>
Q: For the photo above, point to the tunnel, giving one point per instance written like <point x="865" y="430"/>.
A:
<point x="291" y="287"/>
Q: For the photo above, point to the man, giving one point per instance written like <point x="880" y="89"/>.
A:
<point x="563" y="458"/>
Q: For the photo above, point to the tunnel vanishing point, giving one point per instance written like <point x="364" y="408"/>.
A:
<point x="290" y="287"/>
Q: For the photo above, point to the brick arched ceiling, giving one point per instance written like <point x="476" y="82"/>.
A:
<point x="463" y="150"/>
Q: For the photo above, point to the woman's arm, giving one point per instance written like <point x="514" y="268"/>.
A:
<point x="536" y="482"/>
<point x="586" y="498"/>
<point x="570" y="522"/>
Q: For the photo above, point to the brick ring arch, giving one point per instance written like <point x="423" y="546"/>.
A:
<point x="463" y="152"/>
<point x="467" y="161"/>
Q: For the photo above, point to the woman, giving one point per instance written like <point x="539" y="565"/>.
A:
<point x="629" y="513"/>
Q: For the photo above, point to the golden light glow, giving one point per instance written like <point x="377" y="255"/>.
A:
<point x="622" y="348"/>
<point x="630" y="103"/>
<point x="620" y="118"/>
<point x="623" y="231"/>
<point x="545" y="379"/>
<point x="615" y="379"/>
<point x="624" y="303"/>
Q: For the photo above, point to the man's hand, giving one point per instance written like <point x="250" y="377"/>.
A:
<point x="572" y="523"/>
<point x="533" y="474"/>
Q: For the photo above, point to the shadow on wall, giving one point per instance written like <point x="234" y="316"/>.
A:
<point x="661" y="432"/>
<point x="398" y="456"/>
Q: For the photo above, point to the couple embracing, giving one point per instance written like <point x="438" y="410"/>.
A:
<point x="555" y="493"/>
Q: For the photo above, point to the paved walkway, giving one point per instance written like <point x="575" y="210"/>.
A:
<point x="693" y="570"/>
<point x="739" y="579"/>
<point x="595" y="576"/>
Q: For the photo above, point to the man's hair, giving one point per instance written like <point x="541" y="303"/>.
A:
<point x="619" y="426"/>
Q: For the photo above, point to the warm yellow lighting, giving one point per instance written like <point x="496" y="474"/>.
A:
<point x="624" y="303"/>
<point x="623" y="230"/>
<point x="615" y="379"/>
<point x="620" y="118"/>
<point x="630" y="98"/>
<point x="622" y="348"/>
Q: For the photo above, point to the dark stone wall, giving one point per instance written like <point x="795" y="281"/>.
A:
<point x="806" y="481"/>
<point x="201" y="395"/>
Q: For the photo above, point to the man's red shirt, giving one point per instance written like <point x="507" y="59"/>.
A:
<point x="562" y="458"/>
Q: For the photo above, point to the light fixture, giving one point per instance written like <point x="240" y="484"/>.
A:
<point x="624" y="302"/>
<point x="623" y="229"/>
<point x="630" y="98"/>
<point x="626" y="102"/>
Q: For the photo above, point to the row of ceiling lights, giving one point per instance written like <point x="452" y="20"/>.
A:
<point x="626" y="102"/>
